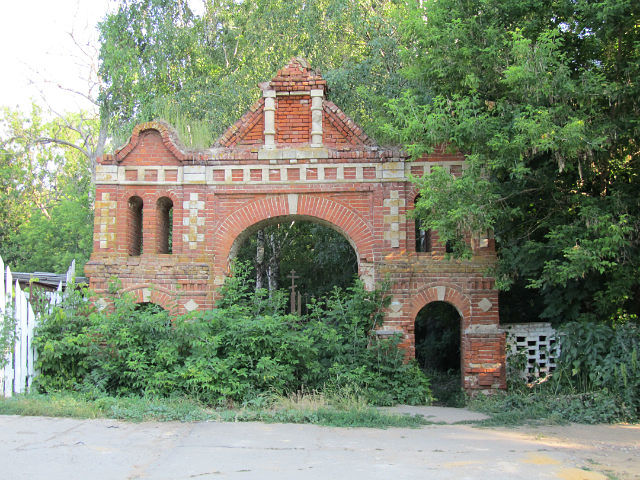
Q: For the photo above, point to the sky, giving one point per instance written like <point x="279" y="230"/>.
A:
<point x="38" y="54"/>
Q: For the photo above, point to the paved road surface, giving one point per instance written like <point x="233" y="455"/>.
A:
<point x="58" y="448"/>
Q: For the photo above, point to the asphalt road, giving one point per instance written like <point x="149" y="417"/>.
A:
<point x="60" y="448"/>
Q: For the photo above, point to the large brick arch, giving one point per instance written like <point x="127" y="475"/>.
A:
<point x="310" y="207"/>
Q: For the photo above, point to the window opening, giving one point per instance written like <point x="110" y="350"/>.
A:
<point x="135" y="226"/>
<point x="164" y="225"/>
<point x="423" y="237"/>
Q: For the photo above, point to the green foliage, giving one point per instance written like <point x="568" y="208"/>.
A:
<point x="597" y="380"/>
<point x="138" y="409"/>
<point x="158" y="59"/>
<point x="541" y="98"/>
<point x="62" y="340"/>
<point x="597" y="357"/>
<point x="321" y="256"/>
<point x="46" y="195"/>
<point x="548" y="407"/>
<point x="234" y="354"/>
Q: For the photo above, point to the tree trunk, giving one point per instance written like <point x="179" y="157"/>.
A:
<point x="273" y="269"/>
<point x="260" y="264"/>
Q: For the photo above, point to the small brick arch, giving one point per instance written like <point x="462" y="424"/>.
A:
<point x="345" y="220"/>
<point x="154" y="294"/>
<point x="167" y="134"/>
<point x="441" y="292"/>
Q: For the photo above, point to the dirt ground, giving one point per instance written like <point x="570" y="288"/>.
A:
<point x="613" y="450"/>
<point x="61" y="448"/>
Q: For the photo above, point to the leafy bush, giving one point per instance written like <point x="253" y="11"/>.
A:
<point x="602" y="358"/>
<point x="244" y="350"/>
<point x="544" y="405"/>
<point x="62" y="338"/>
<point x="597" y="380"/>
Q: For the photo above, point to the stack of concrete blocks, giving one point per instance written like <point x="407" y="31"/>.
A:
<point x="537" y="343"/>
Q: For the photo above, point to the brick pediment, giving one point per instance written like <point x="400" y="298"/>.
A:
<point x="152" y="143"/>
<point x="294" y="111"/>
<point x="339" y="129"/>
<point x="249" y="130"/>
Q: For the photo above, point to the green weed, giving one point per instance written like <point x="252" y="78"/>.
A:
<point x="139" y="409"/>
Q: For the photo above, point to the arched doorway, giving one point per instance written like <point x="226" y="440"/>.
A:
<point x="437" y="350"/>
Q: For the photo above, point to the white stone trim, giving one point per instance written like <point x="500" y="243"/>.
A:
<point x="292" y="200"/>
<point x="293" y="153"/>
<point x="201" y="174"/>
<point x="317" y="98"/>
<point x="269" y="118"/>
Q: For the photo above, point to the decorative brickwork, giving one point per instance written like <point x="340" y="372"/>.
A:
<point x="293" y="155"/>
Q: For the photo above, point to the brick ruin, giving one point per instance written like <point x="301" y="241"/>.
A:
<point x="293" y="155"/>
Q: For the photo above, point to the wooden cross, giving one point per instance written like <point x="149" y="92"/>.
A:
<point x="293" y="278"/>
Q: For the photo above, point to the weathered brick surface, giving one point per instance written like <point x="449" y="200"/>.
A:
<point x="221" y="195"/>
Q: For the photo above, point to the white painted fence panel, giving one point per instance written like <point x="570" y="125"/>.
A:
<point x="20" y="357"/>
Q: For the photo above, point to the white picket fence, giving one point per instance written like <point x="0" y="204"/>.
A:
<point x="16" y="311"/>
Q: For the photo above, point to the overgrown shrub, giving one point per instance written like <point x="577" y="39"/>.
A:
<point x="245" y="349"/>
<point x="602" y="358"/>
<point x="597" y="380"/>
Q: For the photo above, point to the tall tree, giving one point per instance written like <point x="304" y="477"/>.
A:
<point x="544" y="100"/>
<point x="158" y="59"/>
<point x="46" y="217"/>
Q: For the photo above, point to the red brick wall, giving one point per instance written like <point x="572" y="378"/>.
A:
<point x="331" y="135"/>
<point x="293" y="119"/>
<point x="255" y="135"/>
<point x="150" y="150"/>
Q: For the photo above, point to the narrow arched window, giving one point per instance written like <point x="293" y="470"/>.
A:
<point x="423" y="237"/>
<point x="164" y="215"/>
<point x="134" y="226"/>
